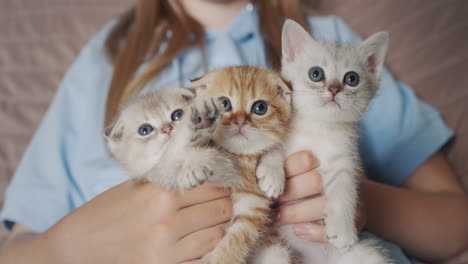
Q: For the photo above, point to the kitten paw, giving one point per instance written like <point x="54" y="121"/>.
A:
<point x="205" y="114"/>
<point x="204" y="117"/>
<point x="340" y="234"/>
<point x="342" y="242"/>
<point x="194" y="176"/>
<point x="271" y="180"/>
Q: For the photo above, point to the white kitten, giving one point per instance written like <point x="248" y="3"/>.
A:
<point x="332" y="87"/>
<point x="164" y="137"/>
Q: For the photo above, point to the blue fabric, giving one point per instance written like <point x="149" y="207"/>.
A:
<point x="66" y="164"/>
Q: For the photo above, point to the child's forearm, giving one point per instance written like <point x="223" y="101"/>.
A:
<point x="431" y="226"/>
<point x="27" y="248"/>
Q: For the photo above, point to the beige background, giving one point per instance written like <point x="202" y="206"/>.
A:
<point x="40" y="38"/>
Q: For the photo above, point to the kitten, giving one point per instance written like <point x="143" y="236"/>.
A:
<point x="333" y="85"/>
<point x="257" y="104"/>
<point x="164" y="137"/>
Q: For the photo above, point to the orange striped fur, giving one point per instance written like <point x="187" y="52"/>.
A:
<point x="243" y="86"/>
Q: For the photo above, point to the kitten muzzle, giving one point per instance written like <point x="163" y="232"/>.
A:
<point x="240" y="121"/>
<point x="167" y="129"/>
<point x="335" y="89"/>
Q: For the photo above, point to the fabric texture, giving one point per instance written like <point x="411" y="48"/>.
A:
<point x="40" y="39"/>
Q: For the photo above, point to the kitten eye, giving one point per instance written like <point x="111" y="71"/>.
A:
<point x="226" y="103"/>
<point x="177" y="115"/>
<point x="145" y="129"/>
<point x="259" y="108"/>
<point x="351" y="78"/>
<point x="316" y="74"/>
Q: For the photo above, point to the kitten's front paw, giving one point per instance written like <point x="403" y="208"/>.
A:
<point x="271" y="180"/>
<point x="205" y="114"/>
<point x="340" y="234"/>
<point x="194" y="176"/>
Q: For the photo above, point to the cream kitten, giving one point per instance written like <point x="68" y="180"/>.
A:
<point x="164" y="138"/>
<point x="333" y="85"/>
<point x="258" y="108"/>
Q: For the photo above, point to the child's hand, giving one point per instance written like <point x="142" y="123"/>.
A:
<point x="303" y="180"/>
<point x="143" y="223"/>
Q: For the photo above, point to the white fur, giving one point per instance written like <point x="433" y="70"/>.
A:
<point x="329" y="130"/>
<point x="182" y="160"/>
<point x="364" y="252"/>
<point x="273" y="254"/>
<point x="270" y="173"/>
<point x="246" y="204"/>
<point x="255" y="140"/>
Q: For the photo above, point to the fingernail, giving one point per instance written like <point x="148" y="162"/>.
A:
<point x="302" y="230"/>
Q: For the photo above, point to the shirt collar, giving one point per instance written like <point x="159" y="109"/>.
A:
<point x="242" y="28"/>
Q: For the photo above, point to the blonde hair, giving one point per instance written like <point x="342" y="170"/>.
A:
<point x="140" y="31"/>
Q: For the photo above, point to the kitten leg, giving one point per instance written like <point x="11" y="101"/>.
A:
<point x="365" y="252"/>
<point x="196" y="168"/>
<point x="340" y="188"/>
<point x="250" y="217"/>
<point x="208" y="165"/>
<point x="270" y="173"/>
<point x="273" y="250"/>
<point x="201" y="160"/>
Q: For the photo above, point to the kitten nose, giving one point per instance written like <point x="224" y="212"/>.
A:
<point x="240" y="121"/>
<point x="334" y="89"/>
<point x="167" y="129"/>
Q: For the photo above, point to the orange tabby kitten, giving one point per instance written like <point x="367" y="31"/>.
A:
<point x="257" y="104"/>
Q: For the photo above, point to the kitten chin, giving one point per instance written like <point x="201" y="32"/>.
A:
<point x="333" y="85"/>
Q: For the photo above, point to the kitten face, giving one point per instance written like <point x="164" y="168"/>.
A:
<point x="257" y="105"/>
<point x="138" y="137"/>
<point x="333" y="82"/>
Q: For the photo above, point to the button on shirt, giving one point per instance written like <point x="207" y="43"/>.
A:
<point x="66" y="163"/>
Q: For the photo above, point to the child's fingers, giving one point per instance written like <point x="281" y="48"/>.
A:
<point x="311" y="231"/>
<point x="301" y="186"/>
<point x="198" y="244"/>
<point x="201" y="216"/>
<point x="299" y="163"/>
<point x="300" y="212"/>
<point x="201" y="194"/>
<point x="197" y="261"/>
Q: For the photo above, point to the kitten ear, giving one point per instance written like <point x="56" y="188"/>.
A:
<point x="293" y="39"/>
<point x="196" y="79"/>
<point x="113" y="133"/>
<point x="375" y="48"/>
<point x="188" y="93"/>
<point x="198" y="84"/>
<point x="285" y="88"/>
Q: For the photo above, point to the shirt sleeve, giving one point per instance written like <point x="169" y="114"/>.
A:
<point x="39" y="193"/>
<point x="399" y="132"/>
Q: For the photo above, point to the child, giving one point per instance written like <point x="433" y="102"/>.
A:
<point x="411" y="198"/>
